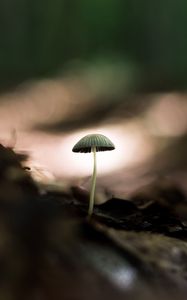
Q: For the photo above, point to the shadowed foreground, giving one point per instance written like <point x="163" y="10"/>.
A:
<point x="49" y="251"/>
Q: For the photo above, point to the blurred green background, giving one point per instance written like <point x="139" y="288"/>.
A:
<point x="39" y="38"/>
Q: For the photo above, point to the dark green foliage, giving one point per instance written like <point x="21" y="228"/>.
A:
<point x="38" y="38"/>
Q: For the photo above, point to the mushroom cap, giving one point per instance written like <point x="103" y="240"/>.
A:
<point x="101" y="142"/>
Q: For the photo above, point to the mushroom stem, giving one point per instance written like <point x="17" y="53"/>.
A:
<point x="92" y="192"/>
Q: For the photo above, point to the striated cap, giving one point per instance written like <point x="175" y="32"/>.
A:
<point x="101" y="142"/>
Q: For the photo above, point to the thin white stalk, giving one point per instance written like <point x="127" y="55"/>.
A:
<point x="93" y="184"/>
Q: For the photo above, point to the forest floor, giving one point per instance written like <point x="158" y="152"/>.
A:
<point x="134" y="248"/>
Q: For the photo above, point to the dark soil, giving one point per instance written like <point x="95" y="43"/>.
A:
<point x="129" y="249"/>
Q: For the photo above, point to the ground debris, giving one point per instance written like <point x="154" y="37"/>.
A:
<point x="48" y="250"/>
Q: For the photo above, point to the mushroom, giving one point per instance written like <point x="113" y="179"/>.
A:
<point x="93" y="143"/>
